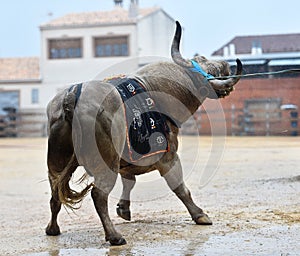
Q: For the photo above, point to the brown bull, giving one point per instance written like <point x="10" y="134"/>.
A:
<point x="90" y="131"/>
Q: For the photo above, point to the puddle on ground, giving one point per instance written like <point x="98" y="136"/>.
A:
<point x="264" y="241"/>
<point x="284" y="180"/>
<point x="72" y="252"/>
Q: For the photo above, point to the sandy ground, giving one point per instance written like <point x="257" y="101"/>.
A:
<point x="253" y="200"/>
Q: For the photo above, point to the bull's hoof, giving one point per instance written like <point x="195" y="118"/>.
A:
<point x="53" y="230"/>
<point x="203" y="219"/>
<point x="124" y="213"/>
<point x="117" y="241"/>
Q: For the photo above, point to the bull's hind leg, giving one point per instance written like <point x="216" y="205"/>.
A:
<point x="105" y="179"/>
<point x="55" y="206"/>
<point x="100" y="197"/>
<point x="123" y="210"/>
<point x="172" y="172"/>
<point x="60" y="151"/>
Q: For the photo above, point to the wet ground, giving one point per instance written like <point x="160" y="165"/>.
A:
<point x="253" y="200"/>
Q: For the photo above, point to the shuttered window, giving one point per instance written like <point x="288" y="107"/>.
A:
<point x="65" y="48"/>
<point x="111" y="46"/>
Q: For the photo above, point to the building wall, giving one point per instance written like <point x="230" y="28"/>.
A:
<point x="59" y="73"/>
<point x="155" y="34"/>
<point x="285" y="89"/>
<point x="67" y="68"/>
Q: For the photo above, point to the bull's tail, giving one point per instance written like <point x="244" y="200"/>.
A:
<point x="67" y="195"/>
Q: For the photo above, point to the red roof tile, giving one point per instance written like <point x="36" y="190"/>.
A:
<point x="116" y="16"/>
<point x="12" y="69"/>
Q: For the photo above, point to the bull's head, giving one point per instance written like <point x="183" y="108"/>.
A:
<point x="221" y="88"/>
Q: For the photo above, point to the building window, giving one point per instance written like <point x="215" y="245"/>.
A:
<point x="263" y="109"/>
<point x="65" y="48"/>
<point x="111" y="46"/>
<point x="34" y="96"/>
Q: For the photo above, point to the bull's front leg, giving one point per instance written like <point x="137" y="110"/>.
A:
<point x="172" y="172"/>
<point x="123" y="210"/>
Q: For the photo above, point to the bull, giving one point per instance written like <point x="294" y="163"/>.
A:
<point x="90" y="131"/>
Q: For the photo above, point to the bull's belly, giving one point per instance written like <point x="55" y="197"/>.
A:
<point x="142" y="166"/>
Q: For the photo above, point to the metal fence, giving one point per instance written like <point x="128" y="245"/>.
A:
<point x="265" y="121"/>
<point x="23" y="124"/>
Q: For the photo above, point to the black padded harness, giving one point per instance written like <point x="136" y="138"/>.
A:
<point x="146" y="126"/>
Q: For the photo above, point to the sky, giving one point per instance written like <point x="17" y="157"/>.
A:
<point x="208" y="25"/>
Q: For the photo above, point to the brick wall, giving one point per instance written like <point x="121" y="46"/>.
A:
<point x="285" y="89"/>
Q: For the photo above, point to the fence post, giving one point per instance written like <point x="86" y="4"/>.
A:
<point x="268" y="119"/>
<point x="294" y="122"/>
<point x="232" y="119"/>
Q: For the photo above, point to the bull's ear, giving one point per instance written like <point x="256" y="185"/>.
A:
<point x="175" y="53"/>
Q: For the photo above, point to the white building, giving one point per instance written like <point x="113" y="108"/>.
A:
<point x="79" y="46"/>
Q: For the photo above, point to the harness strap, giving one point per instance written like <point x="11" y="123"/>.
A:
<point x="78" y="89"/>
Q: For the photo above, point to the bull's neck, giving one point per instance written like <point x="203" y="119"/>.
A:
<point x="174" y="91"/>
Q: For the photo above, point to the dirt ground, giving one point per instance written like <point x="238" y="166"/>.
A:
<point x="253" y="200"/>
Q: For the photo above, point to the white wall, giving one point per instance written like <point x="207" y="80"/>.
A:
<point x="59" y="73"/>
<point x="155" y="34"/>
<point x="85" y="68"/>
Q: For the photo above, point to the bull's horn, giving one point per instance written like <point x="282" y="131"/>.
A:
<point x="223" y="84"/>
<point x="175" y="53"/>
